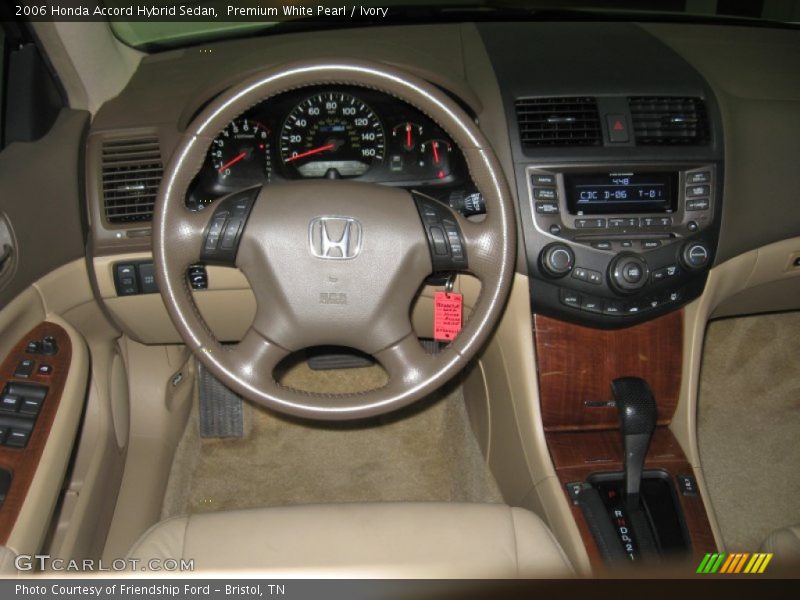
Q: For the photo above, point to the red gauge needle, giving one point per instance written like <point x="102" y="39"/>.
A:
<point x="408" y="135"/>
<point x="310" y="152"/>
<point x="435" y="147"/>
<point x="232" y="161"/>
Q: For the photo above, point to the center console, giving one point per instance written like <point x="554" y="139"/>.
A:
<point x="620" y="243"/>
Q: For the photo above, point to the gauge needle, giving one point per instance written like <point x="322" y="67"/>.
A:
<point x="435" y="147"/>
<point x="408" y="135"/>
<point x="232" y="161"/>
<point x="310" y="152"/>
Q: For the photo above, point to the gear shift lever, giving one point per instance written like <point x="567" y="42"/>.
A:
<point x="637" y="421"/>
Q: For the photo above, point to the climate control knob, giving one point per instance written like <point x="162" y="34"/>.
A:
<point x="696" y="255"/>
<point x="628" y="273"/>
<point x="557" y="260"/>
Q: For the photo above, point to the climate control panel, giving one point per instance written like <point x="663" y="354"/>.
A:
<point x="614" y="245"/>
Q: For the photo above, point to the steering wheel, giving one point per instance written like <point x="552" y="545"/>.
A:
<point x="333" y="262"/>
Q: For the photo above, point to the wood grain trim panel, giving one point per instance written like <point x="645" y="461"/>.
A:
<point x="23" y="462"/>
<point x="577" y="455"/>
<point x="577" y="364"/>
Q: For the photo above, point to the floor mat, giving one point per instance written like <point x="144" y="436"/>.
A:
<point x="426" y="452"/>
<point x="749" y="425"/>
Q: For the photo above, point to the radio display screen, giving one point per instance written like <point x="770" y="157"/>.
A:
<point x="601" y="193"/>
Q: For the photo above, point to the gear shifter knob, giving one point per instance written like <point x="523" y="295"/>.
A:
<point x="637" y="421"/>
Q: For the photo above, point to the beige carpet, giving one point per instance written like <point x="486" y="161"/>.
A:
<point x="426" y="452"/>
<point x="749" y="425"/>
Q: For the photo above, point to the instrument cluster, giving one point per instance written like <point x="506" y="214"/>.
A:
<point x="334" y="133"/>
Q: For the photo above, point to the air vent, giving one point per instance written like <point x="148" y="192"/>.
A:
<point x="669" y="121"/>
<point x="131" y="175"/>
<point x="558" y="122"/>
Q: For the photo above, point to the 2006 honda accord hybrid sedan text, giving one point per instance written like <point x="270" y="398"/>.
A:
<point x="430" y="291"/>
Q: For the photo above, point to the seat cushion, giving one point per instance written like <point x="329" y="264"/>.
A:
<point x="371" y="540"/>
<point x="785" y="545"/>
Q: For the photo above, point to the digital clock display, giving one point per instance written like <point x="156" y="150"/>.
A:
<point x="603" y="193"/>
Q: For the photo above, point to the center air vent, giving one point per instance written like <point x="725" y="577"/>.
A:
<point x="558" y="122"/>
<point x="131" y="175"/>
<point x="669" y="121"/>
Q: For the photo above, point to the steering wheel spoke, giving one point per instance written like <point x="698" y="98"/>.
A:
<point x="254" y="359"/>
<point x="405" y="362"/>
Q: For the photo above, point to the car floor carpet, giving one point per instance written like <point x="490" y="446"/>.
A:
<point x="749" y="425"/>
<point x="425" y="452"/>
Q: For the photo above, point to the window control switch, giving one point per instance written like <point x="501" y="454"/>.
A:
<point x="30" y="406"/>
<point x="17" y="438"/>
<point x="10" y="402"/>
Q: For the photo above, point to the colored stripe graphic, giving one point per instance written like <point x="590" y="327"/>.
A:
<point x="732" y="564"/>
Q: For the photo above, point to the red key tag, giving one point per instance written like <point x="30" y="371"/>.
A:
<point x="446" y="316"/>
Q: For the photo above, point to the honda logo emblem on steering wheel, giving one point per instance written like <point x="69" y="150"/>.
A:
<point x="334" y="238"/>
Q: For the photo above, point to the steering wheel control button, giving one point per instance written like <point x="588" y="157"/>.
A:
<point x="198" y="277"/>
<point x="445" y="241"/>
<point x="224" y="231"/>
<point x="628" y="273"/>
<point x="125" y="280"/>
<point x="696" y="255"/>
<point x="557" y="259"/>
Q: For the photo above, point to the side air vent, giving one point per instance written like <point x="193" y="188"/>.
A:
<point x="669" y="121"/>
<point x="131" y="175"/>
<point x="558" y="122"/>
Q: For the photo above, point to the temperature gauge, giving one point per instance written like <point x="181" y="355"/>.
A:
<point x="408" y="134"/>
<point x="434" y="155"/>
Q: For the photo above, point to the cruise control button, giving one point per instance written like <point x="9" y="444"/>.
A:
<point x="231" y="231"/>
<point x="439" y="242"/>
<point x="545" y="194"/>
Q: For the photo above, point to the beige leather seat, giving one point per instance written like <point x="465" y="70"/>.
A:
<point x="352" y="540"/>
<point x="785" y="545"/>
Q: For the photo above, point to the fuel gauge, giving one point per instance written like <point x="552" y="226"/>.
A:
<point x="408" y="134"/>
<point x="434" y="156"/>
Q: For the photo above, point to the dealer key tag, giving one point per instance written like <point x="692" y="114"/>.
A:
<point x="446" y="316"/>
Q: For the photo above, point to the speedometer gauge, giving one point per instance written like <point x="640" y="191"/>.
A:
<point x="332" y="134"/>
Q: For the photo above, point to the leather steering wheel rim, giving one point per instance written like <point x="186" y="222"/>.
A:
<point x="247" y="367"/>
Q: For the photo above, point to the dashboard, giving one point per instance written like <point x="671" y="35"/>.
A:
<point x="336" y="132"/>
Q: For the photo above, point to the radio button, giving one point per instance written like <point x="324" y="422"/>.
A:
<point x="695" y="191"/>
<point x="590" y="223"/>
<point x="547" y="179"/>
<point x="602" y="245"/>
<point x="626" y="243"/>
<point x="651" y="244"/>
<point x="545" y="194"/>
<point x="699" y="204"/>
<point x="547" y="208"/>
<point x="665" y="221"/>
<point x="699" y="177"/>
<point x="618" y="223"/>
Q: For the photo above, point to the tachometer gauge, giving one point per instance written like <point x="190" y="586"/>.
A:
<point x="240" y="154"/>
<point x="332" y="134"/>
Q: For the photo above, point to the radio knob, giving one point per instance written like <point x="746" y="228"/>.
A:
<point x="557" y="260"/>
<point x="696" y="255"/>
<point x="628" y="273"/>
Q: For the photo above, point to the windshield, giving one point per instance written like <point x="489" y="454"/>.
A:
<point x="168" y="24"/>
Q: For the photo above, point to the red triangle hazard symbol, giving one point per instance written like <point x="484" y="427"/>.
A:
<point x="618" y="126"/>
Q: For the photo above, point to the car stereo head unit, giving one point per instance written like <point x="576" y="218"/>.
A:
<point x="621" y="192"/>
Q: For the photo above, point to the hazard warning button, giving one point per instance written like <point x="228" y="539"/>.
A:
<point x="617" y="129"/>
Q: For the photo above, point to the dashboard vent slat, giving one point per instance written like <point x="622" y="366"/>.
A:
<point x="558" y="122"/>
<point x="132" y="171"/>
<point x="669" y="121"/>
